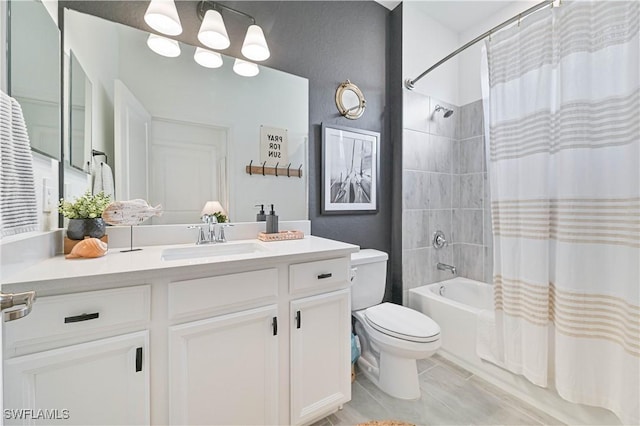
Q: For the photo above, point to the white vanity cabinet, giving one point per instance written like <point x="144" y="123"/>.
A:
<point x="224" y="369"/>
<point x="67" y="371"/>
<point x="258" y="339"/>
<point x="320" y="354"/>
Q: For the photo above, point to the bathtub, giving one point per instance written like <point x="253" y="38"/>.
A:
<point x="455" y="304"/>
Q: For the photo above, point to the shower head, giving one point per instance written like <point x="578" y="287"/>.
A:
<point x="447" y="112"/>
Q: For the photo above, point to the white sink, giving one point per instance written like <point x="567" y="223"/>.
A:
<point x="212" y="250"/>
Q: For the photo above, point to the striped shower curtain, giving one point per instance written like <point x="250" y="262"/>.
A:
<point x="562" y="103"/>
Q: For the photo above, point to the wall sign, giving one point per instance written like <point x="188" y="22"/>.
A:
<point x="274" y="146"/>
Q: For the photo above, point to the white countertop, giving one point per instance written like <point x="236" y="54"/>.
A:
<point x="141" y="263"/>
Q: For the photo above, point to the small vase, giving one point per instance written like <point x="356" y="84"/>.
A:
<point x="77" y="229"/>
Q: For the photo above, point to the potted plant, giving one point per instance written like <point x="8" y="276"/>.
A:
<point x="85" y="215"/>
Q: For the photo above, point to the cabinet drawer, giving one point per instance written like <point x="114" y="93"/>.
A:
<point x="80" y="316"/>
<point x="323" y="274"/>
<point x="210" y="294"/>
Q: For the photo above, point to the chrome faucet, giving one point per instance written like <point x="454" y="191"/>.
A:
<point x="445" y="267"/>
<point x="211" y="235"/>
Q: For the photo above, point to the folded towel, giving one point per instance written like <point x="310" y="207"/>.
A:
<point x="18" y="206"/>
<point x="103" y="179"/>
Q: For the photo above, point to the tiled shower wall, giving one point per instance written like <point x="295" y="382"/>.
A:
<point x="444" y="188"/>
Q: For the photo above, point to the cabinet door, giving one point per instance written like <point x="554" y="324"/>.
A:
<point x="224" y="370"/>
<point x="101" y="382"/>
<point x="320" y="355"/>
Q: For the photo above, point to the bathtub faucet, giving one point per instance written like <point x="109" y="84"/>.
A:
<point x="445" y="267"/>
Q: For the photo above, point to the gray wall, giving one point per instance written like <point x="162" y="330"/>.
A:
<point x="327" y="42"/>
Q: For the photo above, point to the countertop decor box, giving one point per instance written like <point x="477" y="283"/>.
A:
<point x="281" y="236"/>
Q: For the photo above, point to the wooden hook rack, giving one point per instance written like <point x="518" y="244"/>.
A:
<point x="277" y="171"/>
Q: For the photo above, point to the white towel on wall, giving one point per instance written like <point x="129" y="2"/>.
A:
<point x="103" y="179"/>
<point x="18" y="206"/>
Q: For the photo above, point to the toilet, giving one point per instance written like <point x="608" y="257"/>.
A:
<point x="392" y="337"/>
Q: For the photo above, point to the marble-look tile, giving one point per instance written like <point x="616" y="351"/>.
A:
<point x="451" y="367"/>
<point x="415" y="112"/>
<point x="487" y="238"/>
<point x="424" y="411"/>
<point x="471" y="191"/>
<point x="455" y="155"/>
<point x="447" y="127"/>
<point x="415" y="192"/>
<point x="415" y="150"/>
<point x="472" y="155"/>
<point x="413" y="267"/>
<point x="440" y="220"/>
<point x="439" y="191"/>
<point x="471" y="120"/>
<point x="455" y="190"/>
<point x="323" y="422"/>
<point x="486" y="190"/>
<point x="469" y="260"/>
<point x="537" y="416"/>
<point x="415" y="229"/>
<point x="425" y="364"/>
<point x="467" y="226"/>
<point x="440" y="154"/>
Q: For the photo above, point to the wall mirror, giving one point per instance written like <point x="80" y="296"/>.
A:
<point x="179" y="134"/>
<point x="350" y="100"/>
<point x="34" y="73"/>
<point x="79" y="115"/>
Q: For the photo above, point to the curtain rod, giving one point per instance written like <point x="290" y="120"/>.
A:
<point x="410" y="84"/>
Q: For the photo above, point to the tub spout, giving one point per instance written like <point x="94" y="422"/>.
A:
<point x="445" y="267"/>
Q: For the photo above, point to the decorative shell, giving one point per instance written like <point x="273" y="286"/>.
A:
<point x="88" y="248"/>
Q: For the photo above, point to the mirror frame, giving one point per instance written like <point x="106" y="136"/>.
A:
<point x="355" y="112"/>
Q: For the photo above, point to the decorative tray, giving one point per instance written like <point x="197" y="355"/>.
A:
<point x="281" y="236"/>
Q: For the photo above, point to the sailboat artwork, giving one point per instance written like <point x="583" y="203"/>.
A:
<point x="351" y="164"/>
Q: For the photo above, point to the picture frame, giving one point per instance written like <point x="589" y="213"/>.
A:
<point x="350" y="170"/>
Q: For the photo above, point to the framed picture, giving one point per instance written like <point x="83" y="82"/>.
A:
<point x="350" y="164"/>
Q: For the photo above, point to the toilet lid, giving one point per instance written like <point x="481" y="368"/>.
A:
<point x="403" y="323"/>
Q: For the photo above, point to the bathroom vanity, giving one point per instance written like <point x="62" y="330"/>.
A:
<point x="238" y="333"/>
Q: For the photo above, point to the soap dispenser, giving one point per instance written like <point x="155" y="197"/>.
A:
<point x="272" y="222"/>
<point x="261" y="217"/>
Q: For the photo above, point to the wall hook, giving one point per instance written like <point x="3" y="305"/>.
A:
<point x="277" y="168"/>
<point x="300" y="171"/>
<point x="250" y="164"/>
<point x="263" y="168"/>
<point x="288" y="167"/>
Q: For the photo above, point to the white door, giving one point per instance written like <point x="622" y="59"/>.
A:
<point x="132" y="125"/>
<point x="184" y="169"/>
<point x="101" y="382"/>
<point x="320" y="355"/>
<point x="224" y="370"/>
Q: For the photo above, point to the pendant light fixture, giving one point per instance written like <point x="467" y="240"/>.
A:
<point x="245" y="68"/>
<point x="162" y="16"/>
<point x="255" y="45"/>
<point x="207" y="58"/>
<point x="213" y="32"/>
<point x="163" y="46"/>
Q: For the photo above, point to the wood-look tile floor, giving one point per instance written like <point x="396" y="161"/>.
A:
<point x="450" y="395"/>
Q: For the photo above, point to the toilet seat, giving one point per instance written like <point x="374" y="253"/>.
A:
<point x="402" y="323"/>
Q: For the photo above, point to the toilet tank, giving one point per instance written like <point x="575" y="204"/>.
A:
<point x="369" y="282"/>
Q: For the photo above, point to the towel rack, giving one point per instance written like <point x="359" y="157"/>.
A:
<point x="276" y="171"/>
<point x="96" y="153"/>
